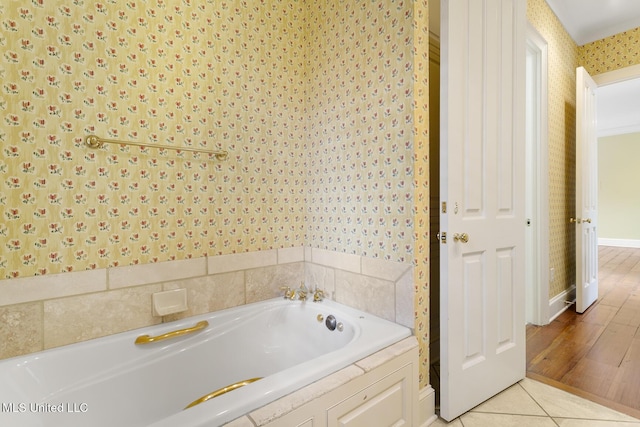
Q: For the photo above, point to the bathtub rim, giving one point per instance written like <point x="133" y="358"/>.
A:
<point x="201" y="414"/>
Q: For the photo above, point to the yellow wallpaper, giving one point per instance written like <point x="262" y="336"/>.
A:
<point x="180" y="73"/>
<point x="360" y="95"/>
<point x="421" y="185"/>
<point x="611" y="53"/>
<point x="360" y="139"/>
<point x="563" y="60"/>
<point x="315" y="111"/>
<point x="313" y="100"/>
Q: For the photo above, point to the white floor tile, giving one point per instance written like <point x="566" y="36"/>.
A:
<point x="514" y="400"/>
<point x="558" y="403"/>
<point x="563" y="422"/>
<point x="533" y="404"/>
<point x="477" y="419"/>
<point x="440" y="423"/>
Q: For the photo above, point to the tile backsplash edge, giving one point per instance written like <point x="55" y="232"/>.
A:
<point x="89" y="287"/>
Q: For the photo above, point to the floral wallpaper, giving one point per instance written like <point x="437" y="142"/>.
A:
<point x="611" y="53"/>
<point x="195" y="74"/>
<point x="367" y="96"/>
<point x="321" y="106"/>
<point x="563" y="60"/>
<point x="360" y="170"/>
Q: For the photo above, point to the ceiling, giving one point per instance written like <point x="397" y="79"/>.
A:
<point x="618" y="104"/>
<point x="590" y="20"/>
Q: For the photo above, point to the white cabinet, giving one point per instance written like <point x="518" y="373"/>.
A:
<point x="384" y="396"/>
<point x="388" y="402"/>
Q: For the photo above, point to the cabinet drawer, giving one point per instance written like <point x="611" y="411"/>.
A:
<point x="385" y="403"/>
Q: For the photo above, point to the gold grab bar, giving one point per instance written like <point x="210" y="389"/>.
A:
<point x="221" y="391"/>
<point x="97" y="142"/>
<point x="146" y="339"/>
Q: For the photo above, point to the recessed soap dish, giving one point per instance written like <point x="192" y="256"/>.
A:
<point x="169" y="302"/>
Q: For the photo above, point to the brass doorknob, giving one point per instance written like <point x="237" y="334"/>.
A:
<point x="463" y="237"/>
<point x="575" y="220"/>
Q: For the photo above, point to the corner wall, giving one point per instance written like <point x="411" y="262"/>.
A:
<point x="563" y="61"/>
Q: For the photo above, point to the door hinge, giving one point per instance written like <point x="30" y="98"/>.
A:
<point x="443" y="237"/>
<point x="444" y="207"/>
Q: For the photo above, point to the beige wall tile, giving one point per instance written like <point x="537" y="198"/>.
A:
<point x="334" y="259"/>
<point x="287" y="255"/>
<point x="405" y="292"/>
<point x="209" y="293"/>
<point x="265" y="283"/>
<point x="146" y="274"/>
<point x="20" y="329"/>
<point x="242" y="261"/>
<point x="322" y="277"/>
<point x="83" y="317"/>
<point x="382" y="269"/>
<point x="375" y="296"/>
<point x="26" y="289"/>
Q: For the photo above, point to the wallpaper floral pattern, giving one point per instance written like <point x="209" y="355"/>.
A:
<point x="360" y="169"/>
<point x="180" y="73"/>
<point x="611" y="53"/>
<point x="211" y="75"/>
<point x="315" y="101"/>
<point x="563" y="60"/>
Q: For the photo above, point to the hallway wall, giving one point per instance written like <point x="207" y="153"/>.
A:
<point x="563" y="60"/>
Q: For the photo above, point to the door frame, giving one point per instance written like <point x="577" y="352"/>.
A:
<point x="537" y="175"/>
<point x="617" y="76"/>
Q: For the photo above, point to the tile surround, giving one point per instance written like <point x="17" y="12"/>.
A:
<point x="84" y="317"/>
<point x="21" y="329"/>
<point x="141" y="274"/>
<point x="117" y="299"/>
<point x="36" y="288"/>
<point x="209" y="293"/>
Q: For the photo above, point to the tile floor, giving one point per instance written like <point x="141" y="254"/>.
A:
<point x="533" y="404"/>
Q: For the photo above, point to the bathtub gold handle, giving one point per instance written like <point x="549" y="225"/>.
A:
<point x="221" y="391"/>
<point x="145" y="339"/>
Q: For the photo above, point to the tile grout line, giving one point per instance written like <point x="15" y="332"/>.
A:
<point x="537" y="403"/>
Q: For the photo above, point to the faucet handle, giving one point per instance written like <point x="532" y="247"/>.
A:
<point x="318" y="295"/>
<point x="302" y="292"/>
<point x="288" y="292"/>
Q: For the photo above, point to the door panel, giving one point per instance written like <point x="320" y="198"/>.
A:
<point x="482" y="186"/>
<point x="586" y="192"/>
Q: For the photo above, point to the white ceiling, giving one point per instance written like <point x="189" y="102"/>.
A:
<point x="590" y="20"/>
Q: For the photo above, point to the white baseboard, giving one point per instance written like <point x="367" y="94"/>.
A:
<point x="427" y="406"/>
<point x="561" y="302"/>
<point x="622" y="243"/>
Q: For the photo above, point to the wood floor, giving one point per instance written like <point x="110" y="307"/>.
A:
<point x="596" y="355"/>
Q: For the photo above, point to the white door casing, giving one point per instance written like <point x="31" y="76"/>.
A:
<point x="586" y="219"/>
<point x="483" y="226"/>
<point x="537" y="187"/>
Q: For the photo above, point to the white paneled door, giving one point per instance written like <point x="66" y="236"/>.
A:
<point x="482" y="208"/>
<point x="586" y="219"/>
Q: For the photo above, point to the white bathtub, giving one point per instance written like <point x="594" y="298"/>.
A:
<point x="113" y="382"/>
